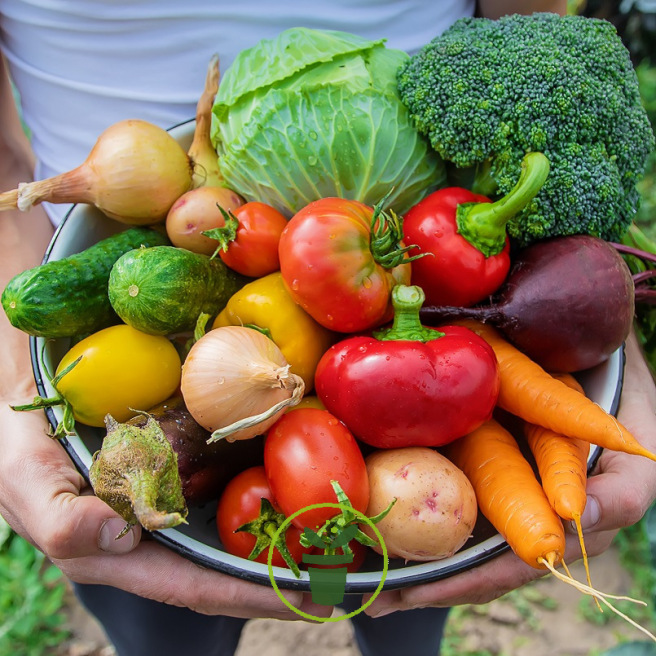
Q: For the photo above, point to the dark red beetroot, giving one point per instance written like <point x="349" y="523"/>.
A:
<point x="567" y="302"/>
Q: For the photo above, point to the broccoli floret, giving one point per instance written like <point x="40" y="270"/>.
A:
<point x="487" y="92"/>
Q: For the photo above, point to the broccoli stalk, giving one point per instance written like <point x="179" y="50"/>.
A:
<point x="487" y="92"/>
<point x="484" y="224"/>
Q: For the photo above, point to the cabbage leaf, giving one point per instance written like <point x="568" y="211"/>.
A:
<point x="313" y="114"/>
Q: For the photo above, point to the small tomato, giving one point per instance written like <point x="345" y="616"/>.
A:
<point x="248" y="238"/>
<point x="240" y="504"/>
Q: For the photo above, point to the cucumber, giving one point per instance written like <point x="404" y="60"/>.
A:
<point x="68" y="297"/>
<point x="164" y="289"/>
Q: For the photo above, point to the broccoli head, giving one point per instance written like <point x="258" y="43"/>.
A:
<point x="487" y="92"/>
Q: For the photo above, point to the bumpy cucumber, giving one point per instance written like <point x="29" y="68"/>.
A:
<point x="164" y="289"/>
<point x="68" y="297"/>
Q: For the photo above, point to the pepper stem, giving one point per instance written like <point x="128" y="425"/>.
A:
<point x="484" y="224"/>
<point x="407" y="301"/>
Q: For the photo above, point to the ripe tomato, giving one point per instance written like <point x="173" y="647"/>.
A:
<point x="305" y="450"/>
<point x="120" y="368"/>
<point x="249" y="239"/>
<point x="239" y="504"/>
<point x="336" y="269"/>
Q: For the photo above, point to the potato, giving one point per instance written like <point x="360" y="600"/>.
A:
<point x="435" y="509"/>
<point x="195" y="211"/>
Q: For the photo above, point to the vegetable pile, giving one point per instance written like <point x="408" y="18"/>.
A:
<point x="319" y="310"/>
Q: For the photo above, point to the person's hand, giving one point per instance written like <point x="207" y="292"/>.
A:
<point x="45" y="499"/>
<point x="620" y="491"/>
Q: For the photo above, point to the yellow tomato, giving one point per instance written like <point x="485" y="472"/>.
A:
<point x="119" y="368"/>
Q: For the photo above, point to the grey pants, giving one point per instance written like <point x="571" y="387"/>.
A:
<point x="141" y="627"/>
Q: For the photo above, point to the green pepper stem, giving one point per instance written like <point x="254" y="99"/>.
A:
<point x="484" y="224"/>
<point x="407" y="301"/>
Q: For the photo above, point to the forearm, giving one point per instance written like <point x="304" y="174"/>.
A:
<point x="497" y="8"/>
<point x="23" y="239"/>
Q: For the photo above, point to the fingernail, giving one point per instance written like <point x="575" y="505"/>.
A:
<point x="591" y="515"/>
<point x="109" y="531"/>
<point x="381" y="612"/>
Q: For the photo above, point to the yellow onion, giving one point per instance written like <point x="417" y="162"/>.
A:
<point x="133" y="174"/>
<point x="202" y="153"/>
<point x="236" y="383"/>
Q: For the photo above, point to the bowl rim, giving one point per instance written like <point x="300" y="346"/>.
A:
<point x="216" y="559"/>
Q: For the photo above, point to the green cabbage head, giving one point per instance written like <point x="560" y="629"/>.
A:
<point x="313" y="113"/>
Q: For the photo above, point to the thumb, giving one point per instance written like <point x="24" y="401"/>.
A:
<point x="619" y="495"/>
<point x="114" y="538"/>
<point x="73" y="526"/>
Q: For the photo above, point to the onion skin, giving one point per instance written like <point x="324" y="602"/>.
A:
<point x="204" y="158"/>
<point x="568" y="303"/>
<point x="232" y="374"/>
<point x="133" y="174"/>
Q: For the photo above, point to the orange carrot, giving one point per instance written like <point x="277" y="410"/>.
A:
<point x="509" y="494"/>
<point x="512" y="499"/>
<point x="562" y="463"/>
<point x="529" y="392"/>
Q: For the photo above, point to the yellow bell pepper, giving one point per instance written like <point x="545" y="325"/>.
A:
<point x="309" y="401"/>
<point x="266" y="304"/>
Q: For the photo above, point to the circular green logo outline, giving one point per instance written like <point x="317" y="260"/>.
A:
<point x="343" y="508"/>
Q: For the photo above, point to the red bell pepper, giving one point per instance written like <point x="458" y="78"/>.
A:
<point x="410" y="385"/>
<point x="465" y="233"/>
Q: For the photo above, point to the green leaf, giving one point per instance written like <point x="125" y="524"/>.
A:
<point x="5" y="532"/>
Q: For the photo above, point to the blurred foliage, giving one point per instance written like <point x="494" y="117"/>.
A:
<point x="31" y="599"/>
<point x="635" y="21"/>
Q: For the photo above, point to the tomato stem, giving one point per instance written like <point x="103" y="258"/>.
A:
<point x="67" y="424"/>
<point x="264" y="528"/>
<point x="385" y="238"/>
<point x="407" y="301"/>
<point x="226" y="234"/>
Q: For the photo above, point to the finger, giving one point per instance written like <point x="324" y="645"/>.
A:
<point x="619" y="495"/>
<point x="155" y="572"/>
<point x="475" y="586"/>
<point x="40" y="488"/>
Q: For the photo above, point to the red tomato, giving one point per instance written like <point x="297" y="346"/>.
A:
<point x="252" y="249"/>
<point x="305" y="450"/>
<point x="410" y="393"/>
<point x="456" y="272"/>
<point x="331" y="268"/>
<point x="240" y="504"/>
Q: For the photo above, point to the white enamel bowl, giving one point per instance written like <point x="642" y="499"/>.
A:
<point x="198" y="541"/>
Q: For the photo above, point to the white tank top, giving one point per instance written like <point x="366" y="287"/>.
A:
<point x="81" y="65"/>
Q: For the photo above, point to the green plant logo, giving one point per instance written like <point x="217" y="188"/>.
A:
<point x="328" y="580"/>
